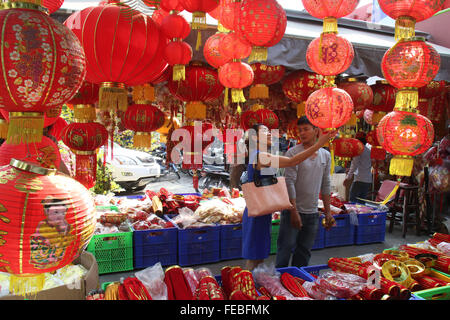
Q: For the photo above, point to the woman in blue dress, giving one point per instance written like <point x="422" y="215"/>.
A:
<point x="256" y="230"/>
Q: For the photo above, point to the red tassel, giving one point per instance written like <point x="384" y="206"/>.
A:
<point x="86" y="169"/>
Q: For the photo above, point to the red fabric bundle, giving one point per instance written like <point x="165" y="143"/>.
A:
<point x="293" y="285"/>
<point x="264" y="292"/>
<point x="177" y="285"/>
<point x="135" y="290"/>
<point x="209" y="289"/>
<point x="427" y="282"/>
<point x="123" y="295"/>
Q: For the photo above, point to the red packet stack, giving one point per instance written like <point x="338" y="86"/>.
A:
<point x="177" y="286"/>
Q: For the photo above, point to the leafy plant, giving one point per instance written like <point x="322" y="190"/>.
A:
<point x="105" y="183"/>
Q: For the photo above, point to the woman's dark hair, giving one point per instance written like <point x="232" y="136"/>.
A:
<point x="304" y="120"/>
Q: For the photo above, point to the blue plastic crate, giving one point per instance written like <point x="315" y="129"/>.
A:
<point x="198" y="245"/>
<point x="371" y="228"/>
<point x="153" y="246"/>
<point x="319" y="243"/>
<point x="231" y="241"/>
<point x="342" y="234"/>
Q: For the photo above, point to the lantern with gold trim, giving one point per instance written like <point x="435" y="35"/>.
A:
<point x="83" y="102"/>
<point x="265" y="116"/>
<point x="84" y="139"/>
<point x="212" y="53"/>
<point x="265" y="75"/>
<point x="248" y="119"/>
<point x="236" y="75"/>
<point x="360" y="92"/>
<point x="43" y="67"/>
<point x="293" y="130"/>
<point x="346" y="148"/>
<point x="46" y="221"/>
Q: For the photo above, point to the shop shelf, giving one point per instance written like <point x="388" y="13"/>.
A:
<point x="231" y="241"/>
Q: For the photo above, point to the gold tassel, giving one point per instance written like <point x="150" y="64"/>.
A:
<point x="179" y="72"/>
<point x="23" y="285"/>
<point x="198" y="20"/>
<point x="142" y="140"/>
<point x="237" y="95"/>
<point x="238" y="109"/>
<point x="401" y="166"/>
<point x="225" y="99"/>
<point x="145" y="92"/>
<point x="198" y="44"/>
<point x="330" y="142"/>
<point x="259" y="91"/>
<point x="404" y="28"/>
<point x="300" y="109"/>
<point x="258" y="54"/>
<point x="407" y="100"/>
<point x="113" y="96"/>
<point x="353" y="120"/>
<point x="195" y="110"/>
<point x="257" y="107"/>
<point x="84" y="112"/>
<point x="3" y="129"/>
<point x="25" y="127"/>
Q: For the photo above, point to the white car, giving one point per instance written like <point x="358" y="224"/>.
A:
<point x="132" y="169"/>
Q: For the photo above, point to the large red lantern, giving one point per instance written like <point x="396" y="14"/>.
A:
<point x="329" y="54"/>
<point x="347" y="148"/>
<point x="266" y="117"/>
<point x="298" y="85"/>
<point x="262" y="23"/>
<point x="129" y="54"/>
<point x="83" y="102"/>
<point x="383" y="96"/>
<point x="407" y="12"/>
<point x="410" y="64"/>
<point x="360" y="92"/>
<point x="404" y="134"/>
<point x="84" y="139"/>
<point x="200" y="85"/>
<point x="212" y="52"/>
<point x="229" y="13"/>
<point x="264" y="75"/>
<point x="330" y="8"/>
<point x="233" y="47"/>
<point x="248" y="119"/>
<point x="43" y="67"/>
<point x="236" y="75"/>
<point x="143" y="119"/>
<point x="46" y="221"/>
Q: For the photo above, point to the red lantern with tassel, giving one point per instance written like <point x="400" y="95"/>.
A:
<point x="233" y="47"/>
<point x="200" y="85"/>
<point x="383" y="96"/>
<point x="360" y="92"/>
<point x="46" y="219"/>
<point x="34" y="80"/>
<point x="264" y="75"/>
<point x="143" y="119"/>
<point x="262" y="23"/>
<point x="83" y="103"/>
<point x="267" y="118"/>
<point x="84" y="139"/>
<point x="248" y="119"/>
<point x="293" y="131"/>
<point x="347" y="148"/>
<point x="298" y="85"/>
<point x="330" y="8"/>
<point x="212" y="53"/>
<point x="236" y="75"/>
<point x="404" y="134"/>
<point x="229" y="13"/>
<point x="132" y="52"/>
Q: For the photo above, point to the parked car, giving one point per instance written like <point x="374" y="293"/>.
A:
<point x="132" y="169"/>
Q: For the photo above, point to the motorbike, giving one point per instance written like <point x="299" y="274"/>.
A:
<point x="213" y="176"/>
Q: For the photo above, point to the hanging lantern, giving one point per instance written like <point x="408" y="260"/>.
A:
<point x="132" y="51"/>
<point x="404" y="134"/>
<point x="293" y="131"/>
<point x="200" y="85"/>
<point x="212" y="53"/>
<point x="267" y="118"/>
<point x="264" y="75"/>
<point x="159" y="15"/>
<point x="330" y="8"/>
<point x="360" y="92"/>
<point x="177" y="52"/>
<point x="43" y="66"/>
<point x="47" y="221"/>
<point x="52" y="5"/>
<point x="171" y="5"/>
<point x="83" y="102"/>
<point x="432" y="89"/>
<point x="329" y="54"/>
<point x="84" y="139"/>
<point x="409" y="65"/>
<point x="347" y="148"/>
<point x="298" y="85"/>
<point x="233" y="47"/>
<point x="248" y="119"/>
<point x="376" y="152"/>
<point x="236" y="75"/>
<point x="407" y="12"/>
<point x="383" y="96"/>
<point x="143" y="119"/>
<point x="229" y="14"/>
<point x="261" y="23"/>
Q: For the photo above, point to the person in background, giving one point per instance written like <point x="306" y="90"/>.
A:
<point x="256" y="230"/>
<point x="305" y="180"/>
<point x="361" y="172"/>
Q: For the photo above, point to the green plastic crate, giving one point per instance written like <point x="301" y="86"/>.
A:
<point x="442" y="293"/>
<point x="274" y="236"/>
<point x="113" y="251"/>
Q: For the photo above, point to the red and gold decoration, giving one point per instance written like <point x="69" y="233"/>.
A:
<point x="330" y="8"/>
<point x="236" y="75"/>
<point x="383" y="100"/>
<point x="129" y="54"/>
<point x="404" y="134"/>
<point x="261" y="23"/>
<point x="84" y="139"/>
<point x="43" y="67"/>
<point x="264" y="76"/>
<point x="298" y="85"/>
<point x="248" y="119"/>
<point x="143" y="118"/>
<point x="360" y="92"/>
<point x="3" y="127"/>
<point x="293" y="131"/>
<point x="201" y="85"/>
<point x="347" y="148"/>
<point x="212" y="53"/>
<point x="47" y="220"/>
<point x="229" y="14"/>
<point x="83" y="102"/>
<point x="407" y="12"/>
<point x="376" y="152"/>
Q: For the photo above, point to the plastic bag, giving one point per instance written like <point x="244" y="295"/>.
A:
<point x="440" y="178"/>
<point x="153" y="280"/>
<point x="444" y="247"/>
<point x="340" y="284"/>
<point x="315" y="291"/>
<point x="203" y="272"/>
<point x="265" y="275"/>
<point x="191" y="278"/>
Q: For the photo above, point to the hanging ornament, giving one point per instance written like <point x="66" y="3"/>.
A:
<point x="236" y="75"/>
<point x="83" y="102"/>
<point x="330" y="8"/>
<point x="383" y="96"/>
<point x="229" y="14"/>
<point x="212" y="53"/>
<point x="264" y="75"/>
<point x="248" y="119"/>
<point x="346" y="148"/>
<point x="376" y="152"/>
<point x="360" y="92"/>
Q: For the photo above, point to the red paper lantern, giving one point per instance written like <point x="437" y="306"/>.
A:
<point x="267" y="118"/>
<point x="236" y="75"/>
<point x="347" y="148"/>
<point x="58" y="224"/>
<point x="52" y="5"/>
<point x="233" y="47"/>
<point x="212" y="53"/>
<point x="264" y="75"/>
<point x="45" y="153"/>
<point x="178" y="54"/>
<point x="84" y="139"/>
<point x="83" y="102"/>
<point x="171" y="5"/>
<point x="229" y="13"/>
<point x="175" y="26"/>
<point x="330" y="8"/>
<point x="200" y="85"/>
<point x="248" y="119"/>
<point x="129" y="54"/>
<point x="159" y="15"/>
<point x="329" y="54"/>
<point x="293" y="131"/>
<point x="262" y="23"/>
<point x="43" y="67"/>
<point x="143" y="119"/>
<point x="299" y="84"/>
<point x="404" y="134"/>
<point x="329" y="108"/>
<point x="360" y="92"/>
<point x="383" y="96"/>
